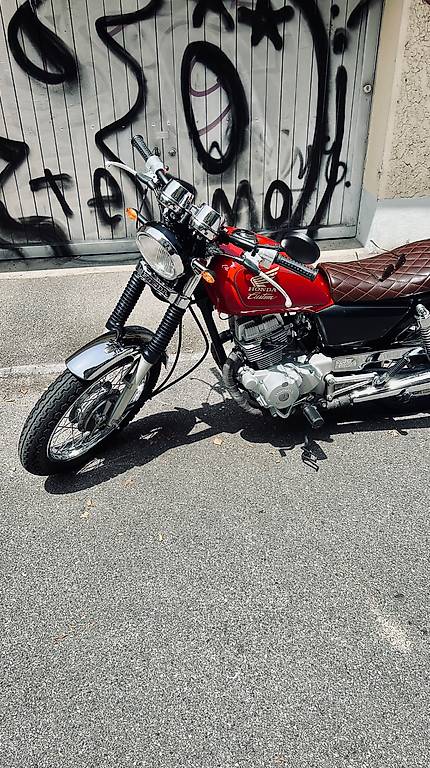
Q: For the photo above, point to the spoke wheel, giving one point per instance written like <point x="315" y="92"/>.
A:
<point x="85" y="423"/>
<point x="70" y="421"/>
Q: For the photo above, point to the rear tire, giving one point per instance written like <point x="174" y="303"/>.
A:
<point x="47" y="413"/>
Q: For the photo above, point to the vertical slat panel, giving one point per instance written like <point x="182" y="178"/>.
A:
<point x="286" y="156"/>
<point x="214" y="102"/>
<point x="121" y="83"/>
<point x="104" y="63"/>
<point x="33" y="204"/>
<point x="62" y="137"/>
<point x="351" y="59"/>
<point x="272" y="129"/>
<point x="314" y="83"/>
<point x="168" y="141"/>
<point x="304" y="124"/>
<point x="258" y="98"/>
<point x="289" y="171"/>
<point x="179" y="41"/>
<point x="82" y="105"/>
<point x="43" y="96"/>
<point x="227" y="43"/>
<point x="198" y="82"/>
<point x="10" y="126"/>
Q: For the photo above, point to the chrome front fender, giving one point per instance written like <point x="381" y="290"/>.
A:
<point x="99" y="355"/>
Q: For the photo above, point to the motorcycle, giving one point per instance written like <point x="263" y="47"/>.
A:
<point x="301" y="338"/>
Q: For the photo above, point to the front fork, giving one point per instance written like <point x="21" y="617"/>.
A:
<point x="154" y="350"/>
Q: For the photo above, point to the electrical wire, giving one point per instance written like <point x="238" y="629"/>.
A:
<point x="175" y="362"/>
<point x="163" y="386"/>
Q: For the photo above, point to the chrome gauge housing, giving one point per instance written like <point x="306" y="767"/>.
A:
<point x="175" y="197"/>
<point x="206" y="221"/>
<point x="160" y="250"/>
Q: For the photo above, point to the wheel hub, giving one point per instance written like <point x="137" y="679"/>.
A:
<point x="93" y="413"/>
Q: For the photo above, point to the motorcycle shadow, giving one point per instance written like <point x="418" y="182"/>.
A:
<point x="149" y="437"/>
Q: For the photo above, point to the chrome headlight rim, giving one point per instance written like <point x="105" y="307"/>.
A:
<point x="159" y="235"/>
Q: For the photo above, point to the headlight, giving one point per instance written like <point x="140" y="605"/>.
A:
<point x="159" y="248"/>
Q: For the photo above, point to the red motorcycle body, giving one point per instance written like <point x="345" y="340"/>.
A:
<point x="237" y="291"/>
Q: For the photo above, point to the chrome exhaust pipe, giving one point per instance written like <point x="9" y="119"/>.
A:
<point x="417" y="384"/>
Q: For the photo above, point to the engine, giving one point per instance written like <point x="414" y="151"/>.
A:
<point x="278" y="372"/>
<point x="264" y="342"/>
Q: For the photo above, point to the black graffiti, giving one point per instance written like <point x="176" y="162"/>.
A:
<point x="303" y="163"/>
<point x="243" y="196"/>
<point x="36" y="229"/>
<point x="123" y="19"/>
<point x="100" y="201"/>
<point x="315" y="22"/>
<point x="264" y="21"/>
<point x="334" y="163"/>
<point x="52" y="50"/>
<point x="340" y="41"/>
<point x="274" y="222"/>
<point x="33" y="228"/>
<point x="233" y="121"/>
<point x="51" y="180"/>
<point x="216" y="6"/>
<point x="13" y="153"/>
<point x="213" y="58"/>
<point x="356" y="14"/>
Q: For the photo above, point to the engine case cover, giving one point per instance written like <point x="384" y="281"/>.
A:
<point x="281" y="386"/>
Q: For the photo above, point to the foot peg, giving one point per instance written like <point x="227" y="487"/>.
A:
<point x="313" y="416"/>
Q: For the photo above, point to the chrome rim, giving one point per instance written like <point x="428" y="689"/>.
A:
<point x="84" y="425"/>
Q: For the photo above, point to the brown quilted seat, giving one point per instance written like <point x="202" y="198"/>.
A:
<point x="401" y="272"/>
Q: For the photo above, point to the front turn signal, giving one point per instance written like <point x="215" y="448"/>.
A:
<point x="131" y="213"/>
<point x="208" y="276"/>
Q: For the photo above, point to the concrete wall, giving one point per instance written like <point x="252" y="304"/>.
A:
<point x="396" y="189"/>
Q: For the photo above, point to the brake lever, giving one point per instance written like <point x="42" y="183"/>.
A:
<point x="144" y="178"/>
<point x="122" y="167"/>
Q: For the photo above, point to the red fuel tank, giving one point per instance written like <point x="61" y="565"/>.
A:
<point x="237" y="291"/>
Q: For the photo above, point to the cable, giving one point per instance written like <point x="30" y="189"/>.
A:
<point x="175" y="362"/>
<point x="163" y="387"/>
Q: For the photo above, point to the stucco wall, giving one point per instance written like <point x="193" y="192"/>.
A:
<point x="395" y="203"/>
<point x="406" y="171"/>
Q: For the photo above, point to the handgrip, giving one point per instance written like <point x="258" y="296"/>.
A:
<point x="296" y="267"/>
<point x="139" y="143"/>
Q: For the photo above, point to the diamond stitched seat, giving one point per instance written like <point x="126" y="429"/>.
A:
<point x="365" y="281"/>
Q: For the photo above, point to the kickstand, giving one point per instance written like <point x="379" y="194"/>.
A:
<point x="308" y="456"/>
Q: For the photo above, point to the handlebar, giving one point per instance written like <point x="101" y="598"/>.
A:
<point x="153" y="162"/>
<point x="297" y="267"/>
<point x="291" y="264"/>
<point x="139" y="143"/>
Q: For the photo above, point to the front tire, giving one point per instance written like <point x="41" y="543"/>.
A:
<point x="34" y="444"/>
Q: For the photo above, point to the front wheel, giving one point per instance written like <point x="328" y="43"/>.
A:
<point x="69" y="423"/>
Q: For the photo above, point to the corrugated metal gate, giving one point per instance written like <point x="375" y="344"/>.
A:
<point x="263" y="106"/>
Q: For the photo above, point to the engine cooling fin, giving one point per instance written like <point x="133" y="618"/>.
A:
<point x="263" y="344"/>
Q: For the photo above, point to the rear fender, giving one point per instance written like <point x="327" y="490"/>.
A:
<point x="101" y="354"/>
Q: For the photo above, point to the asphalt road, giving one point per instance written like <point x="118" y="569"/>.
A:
<point x="202" y="597"/>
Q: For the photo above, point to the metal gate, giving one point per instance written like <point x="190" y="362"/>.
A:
<point x="262" y="105"/>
